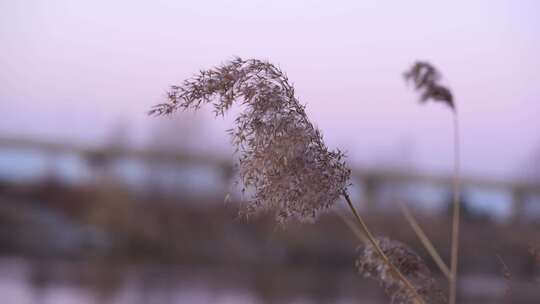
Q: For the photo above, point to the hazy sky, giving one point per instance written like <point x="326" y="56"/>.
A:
<point x="71" y="70"/>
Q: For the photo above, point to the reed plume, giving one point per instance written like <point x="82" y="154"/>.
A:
<point x="283" y="159"/>
<point x="425" y="78"/>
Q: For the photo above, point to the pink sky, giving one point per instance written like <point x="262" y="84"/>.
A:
<point x="70" y="70"/>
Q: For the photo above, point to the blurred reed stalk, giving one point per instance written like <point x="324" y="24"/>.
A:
<point x="507" y="278"/>
<point x="425" y="240"/>
<point x="426" y="80"/>
<point x="456" y="212"/>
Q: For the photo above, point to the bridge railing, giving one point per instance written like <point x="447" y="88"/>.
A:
<point x="370" y="180"/>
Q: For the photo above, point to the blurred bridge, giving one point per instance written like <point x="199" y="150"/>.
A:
<point x="371" y="182"/>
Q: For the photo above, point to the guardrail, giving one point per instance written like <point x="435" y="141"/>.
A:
<point x="370" y="179"/>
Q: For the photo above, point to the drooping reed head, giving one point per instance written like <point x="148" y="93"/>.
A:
<point x="371" y="264"/>
<point x="426" y="79"/>
<point x="283" y="159"/>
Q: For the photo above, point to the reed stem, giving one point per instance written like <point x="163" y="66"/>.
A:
<point x="375" y="245"/>
<point x="456" y="213"/>
<point x="425" y="240"/>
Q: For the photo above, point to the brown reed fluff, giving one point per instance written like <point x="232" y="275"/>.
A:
<point x="283" y="160"/>
<point x="370" y="264"/>
<point x="426" y="80"/>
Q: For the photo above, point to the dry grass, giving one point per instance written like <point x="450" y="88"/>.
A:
<point x="409" y="264"/>
<point x="283" y="159"/>
<point x="290" y="171"/>
<point x="389" y="274"/>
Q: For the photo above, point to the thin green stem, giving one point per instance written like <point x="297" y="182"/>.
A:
<point x="371" y="239"/>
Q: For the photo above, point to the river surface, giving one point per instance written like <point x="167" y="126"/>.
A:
<point x="30" y="282"/>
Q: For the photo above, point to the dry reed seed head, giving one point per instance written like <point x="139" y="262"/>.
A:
<point x="283" y="159"/>
<point x="426" y="79"/>
<point x="372" y="265"/>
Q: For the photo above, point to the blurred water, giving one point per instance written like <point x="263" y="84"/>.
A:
<point x="19" y="283"/>
<point x="25" y="282"/>
<point x="18" y="166"/>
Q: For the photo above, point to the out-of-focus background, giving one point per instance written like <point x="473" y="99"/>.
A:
<point x="100" y="203"/>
